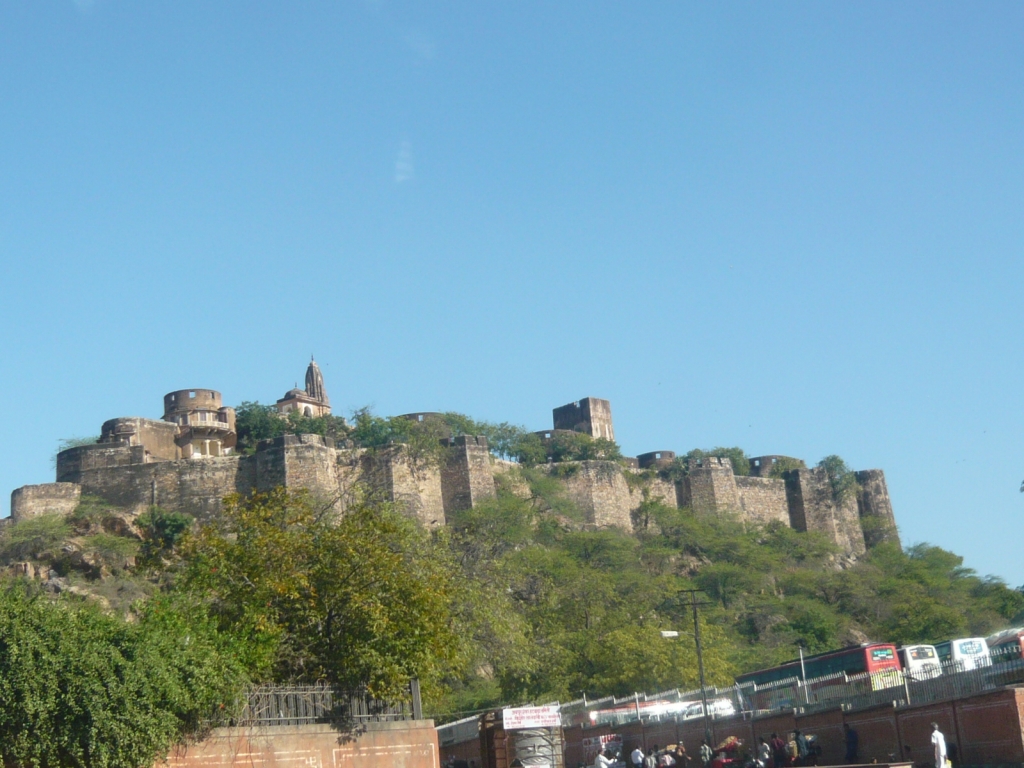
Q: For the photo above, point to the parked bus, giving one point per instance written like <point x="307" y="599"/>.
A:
<point x="870" y="667"/>
<point x="964" y="653"/>
<point x="920" y="662"/>
<point x="1007" y="645"/>
<point x="872" y="658"/>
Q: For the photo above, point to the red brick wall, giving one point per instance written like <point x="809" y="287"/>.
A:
<point x="878" y="737"/>
<point x="916" y="730"/>
<point x="409" y="744"/>
<point x="466" y="750"/>
<point x="828" y="727"/>
<point x="989" y="728"/>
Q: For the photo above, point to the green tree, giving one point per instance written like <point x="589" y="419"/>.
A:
<point x="81" y="688"/>
<point x="360" y="600"/>
<point x="841" y="478"/>
<point x="162" y="530"/>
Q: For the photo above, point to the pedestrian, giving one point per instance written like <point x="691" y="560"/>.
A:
<point x="939" y="745"/>
<point x="792" y="751"/>
<point x="636" y="757"/>
<point x="851" y="744"/>
<point x="705" y="753"/>
<point x="651" y="761"/>
<point x="666" y="759"/>
<point x="801" y="749"/>
<point x="682" y="759"/>
<point x="764" y="752"/>
<point x="778" y="751"/>
<point x="602" y="760"/>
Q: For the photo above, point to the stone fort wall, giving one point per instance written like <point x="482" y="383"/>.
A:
<point x="135" y="476"/>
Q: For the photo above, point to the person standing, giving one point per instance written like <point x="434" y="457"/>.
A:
<point x="764" y="752"/>
<point x="636" y="757"/>
<point x="939" y="745"/>
<point x="705" y="753"/>
<point x="852" y="745"/>
<point x="778" y="751"/>
<point x="801" y="748"/>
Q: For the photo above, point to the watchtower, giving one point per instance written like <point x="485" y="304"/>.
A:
<point x="591" y="416"/>
<point x="205" y="426"/>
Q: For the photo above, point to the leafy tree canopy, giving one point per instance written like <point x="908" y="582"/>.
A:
<point x="363" y="599"/>
<point x="79" y="687"/>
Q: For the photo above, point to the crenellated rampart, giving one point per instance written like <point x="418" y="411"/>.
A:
<point x="185" y="463"/>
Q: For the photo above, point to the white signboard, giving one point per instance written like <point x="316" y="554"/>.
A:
<point x="518" y="718"/>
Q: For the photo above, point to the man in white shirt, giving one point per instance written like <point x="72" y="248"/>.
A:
<point x="636" y="757"/>
<point x="602" y="761"/>
<point x="939" y="744"/>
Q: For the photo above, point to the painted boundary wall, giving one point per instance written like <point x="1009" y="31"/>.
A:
<point x="402" y="744"/>
<point x="986" y="729"/>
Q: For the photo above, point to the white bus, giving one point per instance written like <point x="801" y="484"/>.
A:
<point x="965" y="653"/>
<point x="920" y="662"/>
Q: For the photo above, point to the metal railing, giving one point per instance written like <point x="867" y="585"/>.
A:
<point x="837" y="691"/>
<point x="268" y="705"/>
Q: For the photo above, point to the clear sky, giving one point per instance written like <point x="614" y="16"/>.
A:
<point x="792" y="227"/>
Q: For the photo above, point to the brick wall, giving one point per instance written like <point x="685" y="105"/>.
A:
<point x="405" y="744"/>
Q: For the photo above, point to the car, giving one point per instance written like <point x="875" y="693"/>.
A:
<point x="716" y="708"/>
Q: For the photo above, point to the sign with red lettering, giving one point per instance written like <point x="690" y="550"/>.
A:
<point x="519" y="718"/>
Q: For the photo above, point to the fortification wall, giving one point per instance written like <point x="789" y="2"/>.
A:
<point x="812" y="508"/>
<point x="46" y="499"/>
<point x="157" y="437"/>
<point x="875" y="508"/>
<point x="413" y="484"/>
<point x="73" y="461"/>
<point x="194" y="487"/>
<point x="710" y="487"/>
<point x="656" y="488"/>
<point x="309" y="462"/>
<point x="600" y="491"/>
<point x="762" y="499"/>
<point x="466" y="477"/>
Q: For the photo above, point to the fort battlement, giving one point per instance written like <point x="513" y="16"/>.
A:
<point x="186" y="462"/>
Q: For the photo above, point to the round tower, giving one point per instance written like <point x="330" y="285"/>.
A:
<point x="205" y="427"/>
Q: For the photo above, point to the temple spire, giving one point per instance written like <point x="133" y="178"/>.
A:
<point x="315" y="383"/>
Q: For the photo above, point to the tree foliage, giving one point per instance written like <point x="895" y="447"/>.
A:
<point x="363" y="599"/>
<point x="81" y="688"/>
<point x="583" y="607"/>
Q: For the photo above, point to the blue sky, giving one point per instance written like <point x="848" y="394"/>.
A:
<point x="792" y="227"/>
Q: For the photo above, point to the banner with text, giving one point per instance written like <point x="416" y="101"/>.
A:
<point x="518" y="718"/>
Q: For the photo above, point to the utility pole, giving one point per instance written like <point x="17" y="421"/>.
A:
<point x="708" y="734"/>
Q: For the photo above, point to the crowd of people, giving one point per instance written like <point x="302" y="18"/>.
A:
<point x="799" y="750"/>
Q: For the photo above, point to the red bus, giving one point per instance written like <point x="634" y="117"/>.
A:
<point x="1006" y="646"/>
<point x="877" y="663"/>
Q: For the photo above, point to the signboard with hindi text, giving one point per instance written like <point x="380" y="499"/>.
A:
<point x="518" y="718"/>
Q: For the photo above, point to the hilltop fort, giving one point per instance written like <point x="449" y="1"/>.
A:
<point x="187" y="461"/>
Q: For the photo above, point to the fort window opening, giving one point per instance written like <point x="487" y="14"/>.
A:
<point x="307" y="411"/>
<point x="191" y="394"/>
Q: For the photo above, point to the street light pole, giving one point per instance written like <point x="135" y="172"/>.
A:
<point x="700" y="667"/>
<point x="708" y="732"/>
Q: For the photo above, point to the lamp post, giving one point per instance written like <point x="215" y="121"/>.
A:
<point x="708" y="734"/>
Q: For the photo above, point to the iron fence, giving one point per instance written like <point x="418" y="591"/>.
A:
<point x="267" y="705"/>
<point x="837" y="691"/>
